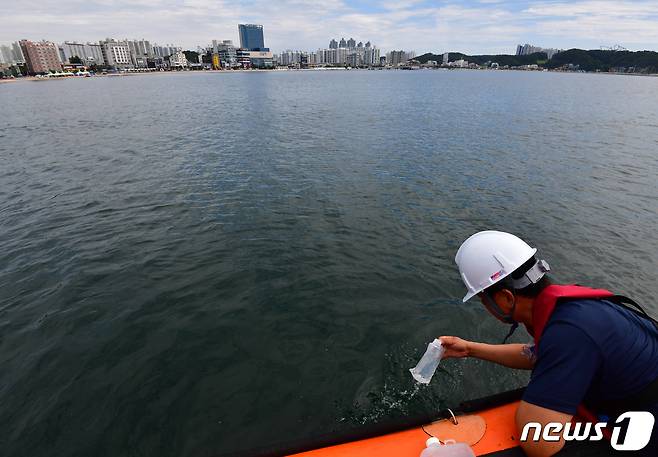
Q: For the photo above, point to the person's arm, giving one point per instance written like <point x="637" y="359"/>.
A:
<point x="527" y="412"/>
<point x="568" y="361"/>
<point x="509" y="355"/>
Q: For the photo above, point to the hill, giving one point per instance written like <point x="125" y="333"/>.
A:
<point x="599" y="60"/>
<point x="588" y="60"/>
<point x="501" y="59"/>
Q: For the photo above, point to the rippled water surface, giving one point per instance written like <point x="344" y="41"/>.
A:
<point x="192" y="264"/>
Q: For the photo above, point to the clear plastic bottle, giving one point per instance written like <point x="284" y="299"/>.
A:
<point x="450" y="449"/>
<point x="426" y="367"/>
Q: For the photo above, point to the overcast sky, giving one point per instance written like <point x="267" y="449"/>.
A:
<point x="472" y="26"/>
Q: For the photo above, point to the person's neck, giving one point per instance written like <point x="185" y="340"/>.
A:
<point x="523" y="311"/>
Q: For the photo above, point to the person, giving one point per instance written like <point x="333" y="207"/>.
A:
<point x="594" y="354"/>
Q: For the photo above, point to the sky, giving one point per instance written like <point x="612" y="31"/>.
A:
<point x="470" y="26"/>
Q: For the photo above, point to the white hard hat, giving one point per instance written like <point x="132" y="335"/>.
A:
<point x="490" y="256"/>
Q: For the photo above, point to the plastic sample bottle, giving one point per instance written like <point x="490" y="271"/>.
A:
<point x="450" y="449"/>
<point x="426" y="367"/>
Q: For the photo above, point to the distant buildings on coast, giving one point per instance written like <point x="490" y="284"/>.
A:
<point x="110" y="55"/>
<point x="527" y="49"/>
<point x="343" y="53"/>
<point x="27" y="57"/>
<point x="42" y="57"/>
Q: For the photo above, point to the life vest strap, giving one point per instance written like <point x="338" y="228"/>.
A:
<point x="624" y="302"/>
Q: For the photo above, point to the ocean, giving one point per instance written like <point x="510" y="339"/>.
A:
<point x="194" y="264"/>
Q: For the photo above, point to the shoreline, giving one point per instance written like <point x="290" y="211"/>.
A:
<point x="162" y="73"/>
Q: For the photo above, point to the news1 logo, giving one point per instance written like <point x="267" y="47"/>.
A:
<point x="631" y="432"/>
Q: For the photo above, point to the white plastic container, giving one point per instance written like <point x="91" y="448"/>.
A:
<point x="426" y="367"/>
<point x="450" y="449"/>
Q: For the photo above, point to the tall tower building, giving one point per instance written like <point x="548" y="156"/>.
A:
<point x="140" y="52"/>
<point x="89" y="54"/>
<point x="5" y="55"/>
<point x="251" y="37"/>
<point x="343" y="43"/>
<point x="351" y="43"/>
<point x="333" y="44"/>
<point x="116" y="53"/>
<point x="17" y="52"/>
<point x="41" y="57"/>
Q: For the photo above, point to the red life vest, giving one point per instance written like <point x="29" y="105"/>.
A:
<point x="545" y="303"/>
<point x="543" y="308"/>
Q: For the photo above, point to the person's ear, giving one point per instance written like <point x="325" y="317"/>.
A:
<point x="505" y="300"/>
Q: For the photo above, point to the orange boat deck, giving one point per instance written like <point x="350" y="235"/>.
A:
<point x="500" y="434"/>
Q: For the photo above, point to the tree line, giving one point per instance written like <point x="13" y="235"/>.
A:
<point x="587" y="60"/>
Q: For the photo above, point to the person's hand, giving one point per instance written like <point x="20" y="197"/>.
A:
<point x="454" y="347"/>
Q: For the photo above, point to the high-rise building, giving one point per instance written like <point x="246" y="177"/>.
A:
<point x="446" y="58"/>
<point x="342" y="54"/>
<point x="321" y="56"/>
<point x="165" y="51"/>
<point x="396" y="58"/>
<point x="17" y="52"/>
<point x="89" y="54"/>
<point x="297" y="58"/>
<point x="227" y="54"/>
<point x="41" y="57"/>
<point x="527" y="49"/>
<point x="371" y="56"/>
<point x="140" y="52"/>
<point x="6" y="55"/>
<point x="116" y="53"/>
<point x="336" y="56"/>
<point x="178" y="60"/>
<point x="251" y="37"/>
<point x="351" y="43"/>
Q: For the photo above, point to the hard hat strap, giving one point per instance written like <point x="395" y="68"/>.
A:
<point x="532" y="276"/>
<point x="496" y="310"/>
<point x="507" y="318"/>
<point x="515" y="325"/>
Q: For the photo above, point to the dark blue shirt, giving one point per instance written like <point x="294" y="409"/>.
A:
<point x="592" y="350"/>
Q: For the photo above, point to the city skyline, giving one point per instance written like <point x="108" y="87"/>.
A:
<point x="473" y="27"/>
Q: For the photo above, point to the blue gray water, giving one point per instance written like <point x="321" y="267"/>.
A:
<point x="192" y="264"/>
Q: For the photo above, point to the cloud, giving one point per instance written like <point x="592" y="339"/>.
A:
<point x="632" y="24"/>
<point x="614" y="9"/>
<point x="474" y="26"/>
